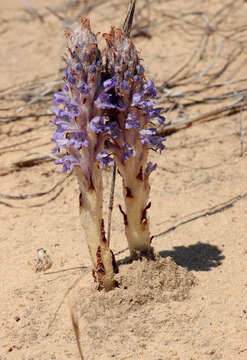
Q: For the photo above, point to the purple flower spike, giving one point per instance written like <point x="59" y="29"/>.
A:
<point x="135" y="136"/>
<point x="81" y="131"/>
<point x="79" y="122"/>
<point x="104" y="159"/>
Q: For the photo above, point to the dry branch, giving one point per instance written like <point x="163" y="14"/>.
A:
<point x="205" y="212"/>
<point x="231" y="109"/>
<point x="17" y="165"/>
<point x="35" y="195"/>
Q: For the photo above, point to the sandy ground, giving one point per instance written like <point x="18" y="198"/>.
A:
<point x="198" y="217"/>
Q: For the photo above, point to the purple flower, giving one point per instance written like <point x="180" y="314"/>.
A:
<point x="84" y="89"/>
<point x="104" y="101"/>
<point x="78" y="140"/>
<point x="64" y="126"/>
<point x="149" y="89"/>
<point x="61" y="98"/>
<point x="92" y="68"/>
<point x="62" y="114"/>
<point x="73" y="109"/>
<point x="148" y="132"/>
<point x="127" y="75"/>
<point x="150" y="168"/>
<point x="104" y="159"/>
<point x="113" y="128"/>
<point x="154" y="113"/>
<point x="79" y="67"/>
<point x="109" y="101"/>
<point x="139" y="69"/>
<point x="137" y="79"/>
<point x="137" y="99"/>
<point x="97" y="125"/>
<point x="68" y="163"/>
<point x="110" y="83"/>
<point x="60" y="141"/>
<point x="127" y="152"/>
<point x="63" y="137"/>
<point x="131" y="122"/>
<point x="70" y="77"/>
<point x="150" y="139"/>
<point x="124" y="85"/>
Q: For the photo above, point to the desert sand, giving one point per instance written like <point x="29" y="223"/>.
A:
<point x="192" y="303"/>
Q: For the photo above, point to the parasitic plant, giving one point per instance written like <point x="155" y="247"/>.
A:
<point x="129" y="107"/>
<point x="81" y="131"/>
<point x="106" y="112"/>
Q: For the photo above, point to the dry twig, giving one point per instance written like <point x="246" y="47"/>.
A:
<point x="241" y="134"/>
<point x="127" y="29"/>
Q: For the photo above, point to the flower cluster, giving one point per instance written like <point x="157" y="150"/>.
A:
<point x="135" y="113"/>
<point x="80" y="127"/>
<point x="110" y="101"/>
<point x="136" y="117"/>
<point x="81" y="130"/>
<point x="105" y="112"/>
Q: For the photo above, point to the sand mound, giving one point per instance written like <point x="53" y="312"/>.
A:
<point x="140" y="282"/>
<point x="128" y="311"/>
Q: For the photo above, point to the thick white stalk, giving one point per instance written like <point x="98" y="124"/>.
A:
<point x="136" y="191"/>
<point x="90" y="205"/>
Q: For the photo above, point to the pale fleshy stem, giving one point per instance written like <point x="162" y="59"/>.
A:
<point x="90" y="205"/>
<point x="136" y="191"/>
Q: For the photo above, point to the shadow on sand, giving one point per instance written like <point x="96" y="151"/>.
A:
<point x="198" y="257"/>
